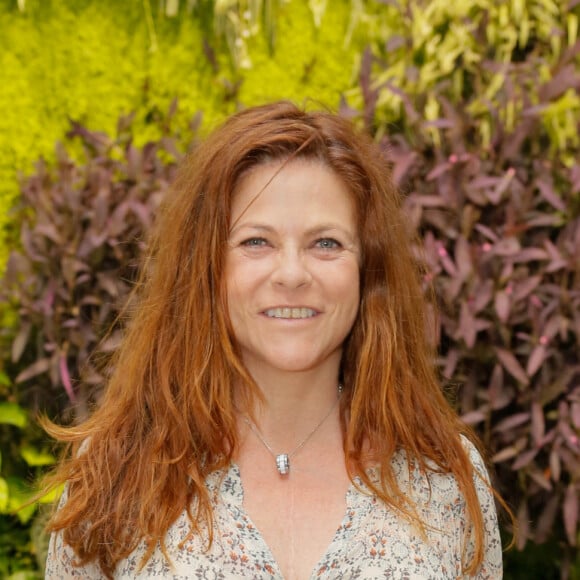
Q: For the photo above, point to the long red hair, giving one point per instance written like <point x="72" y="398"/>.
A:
<point x="167" y="418"/>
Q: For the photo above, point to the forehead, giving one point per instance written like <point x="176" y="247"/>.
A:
<point x="285" y="186"/>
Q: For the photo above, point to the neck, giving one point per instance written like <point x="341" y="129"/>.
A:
<point x="293" y="404"/>
<point x="294" y="393"/>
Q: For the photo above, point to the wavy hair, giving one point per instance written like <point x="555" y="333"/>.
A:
<point x="167" y="418"/>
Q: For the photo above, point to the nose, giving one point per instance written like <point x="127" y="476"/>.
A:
<point x="291" y="270"/>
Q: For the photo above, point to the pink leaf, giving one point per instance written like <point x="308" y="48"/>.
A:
<point x="547" y="518"/>
<point x="463" y="257"/>
<point x="474" y="417"/>
<point x="523" y="519"/>
<point x="511" y="422"/>
<point x="555" y="465"/>
<point x="511" y="365"/>
<point x="487" y="232"/>
<point x="35" y="369"/>
<point x="544" y="221"/>
<point x="548" y="193"/>
<point x="538" y="423"/>
<point x="65" y="378"/>
<point x="554" y="325"/>
<point x="530" y="254"/>
<point x="451" y="361"/>
<point x="111" y="343"/>
<point x="575" y="413"/>
<point x="49" y="231"/>
<point x="507" y="247"/>
<point x="482" y="296"/>
<point x="526" y="287"/>
<point x="402" y="164"/>
<point x="495" y="388"/>
<point x="504" y="454"/>
<point x="142" y="212"/>
<point x="570" y="513"/>
<point x="502" y="305"/>
<point x="445" y="260"/>
<point x="569" y="460"/>
<point x="500" y="188"/>
<point x="557" y="262"/>
<point x="524" y="459"/>
<point x="20" y="342"/>
<point x="467" y="325"/>
<point x="484" y="181"/>
<point x="539" y="477"/>
<point x="536" y="359"/>
<point x="438" y="170"/>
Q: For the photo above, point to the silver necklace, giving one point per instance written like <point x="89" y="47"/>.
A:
<point x="283" y="459"/>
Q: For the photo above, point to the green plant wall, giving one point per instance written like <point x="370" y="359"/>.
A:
<point x="91" y="61"/>
<point x="453" y="84"/>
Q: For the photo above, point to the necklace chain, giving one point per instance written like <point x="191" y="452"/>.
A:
<point x="283" y="459"/>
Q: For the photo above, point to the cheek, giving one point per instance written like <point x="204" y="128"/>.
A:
<point x="347" y="289"/>
<point x="231" y="289"/>
<point x="235" y="274"/>
<point x="245" y="277"/>
<point x="234" y="300"/>
<point x="242" y="283"/>
<point x="238" y="283"/>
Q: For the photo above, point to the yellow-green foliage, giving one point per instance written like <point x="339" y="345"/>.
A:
<point x="309" y="62"/>
<point x="93" y="60"/>
<point x="431" y="41"/>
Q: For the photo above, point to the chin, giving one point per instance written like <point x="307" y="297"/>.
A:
<point x="292" y="365"/>
<point x="290" y="361"/>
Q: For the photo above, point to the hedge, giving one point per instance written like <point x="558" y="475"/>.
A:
<point x="477" y="105"/>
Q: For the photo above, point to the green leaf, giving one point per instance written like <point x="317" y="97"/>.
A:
<point x="53" y="495"/>
<point x="13" y="414"/>
<point x="23" y="575"/>
<point x="3" y="495"/>
<point x="19" y="493"/>
<point x="36" y="457"/>
<point x="24" y="514"/>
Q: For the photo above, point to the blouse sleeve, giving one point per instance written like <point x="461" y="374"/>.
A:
<point x="60" y="561"/>
<point x="491" y="567"/>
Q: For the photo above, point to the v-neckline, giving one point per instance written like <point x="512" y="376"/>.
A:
<point x="233" y="497"/>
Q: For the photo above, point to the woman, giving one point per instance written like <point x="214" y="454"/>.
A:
<point x="274" y="411"/>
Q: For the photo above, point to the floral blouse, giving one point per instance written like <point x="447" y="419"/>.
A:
<point x="373" y="541"/>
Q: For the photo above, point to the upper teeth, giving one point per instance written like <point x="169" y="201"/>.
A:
<point x="290" y="312"/>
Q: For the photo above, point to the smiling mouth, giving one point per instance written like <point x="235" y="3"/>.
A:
<point x="290" y="313"/>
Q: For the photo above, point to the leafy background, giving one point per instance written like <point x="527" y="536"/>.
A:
<point x="477" y="105"/>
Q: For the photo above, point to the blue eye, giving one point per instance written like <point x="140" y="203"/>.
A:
<point x="328" y="244"/>
<point x="254" y="242"/>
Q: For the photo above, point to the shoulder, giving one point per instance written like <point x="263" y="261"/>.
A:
<point x="447" y="539"/>
<point x="61" y="562"/>
<point x="437" y="495"/>
<point x="491" y="566"/>
<point x="432" y="483"/>
<point x="482" y="483"/>
<point x="475" y="457"/>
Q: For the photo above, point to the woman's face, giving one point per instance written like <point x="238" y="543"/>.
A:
<point x="292" y="268"/>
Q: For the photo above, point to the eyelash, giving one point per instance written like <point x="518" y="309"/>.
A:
<point x="333" y="244"/>
<point x="322" y="243"/>
<point x="250" y="242"/>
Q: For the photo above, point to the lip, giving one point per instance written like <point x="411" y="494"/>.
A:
<point x="317" y="310"/>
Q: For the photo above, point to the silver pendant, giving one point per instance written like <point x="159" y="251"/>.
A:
<point x="283" y="463"/>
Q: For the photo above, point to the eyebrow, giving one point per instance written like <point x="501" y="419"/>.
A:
<point x="311" y="232"/>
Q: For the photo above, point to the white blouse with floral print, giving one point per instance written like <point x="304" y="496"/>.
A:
<point x="372" y="541"/>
